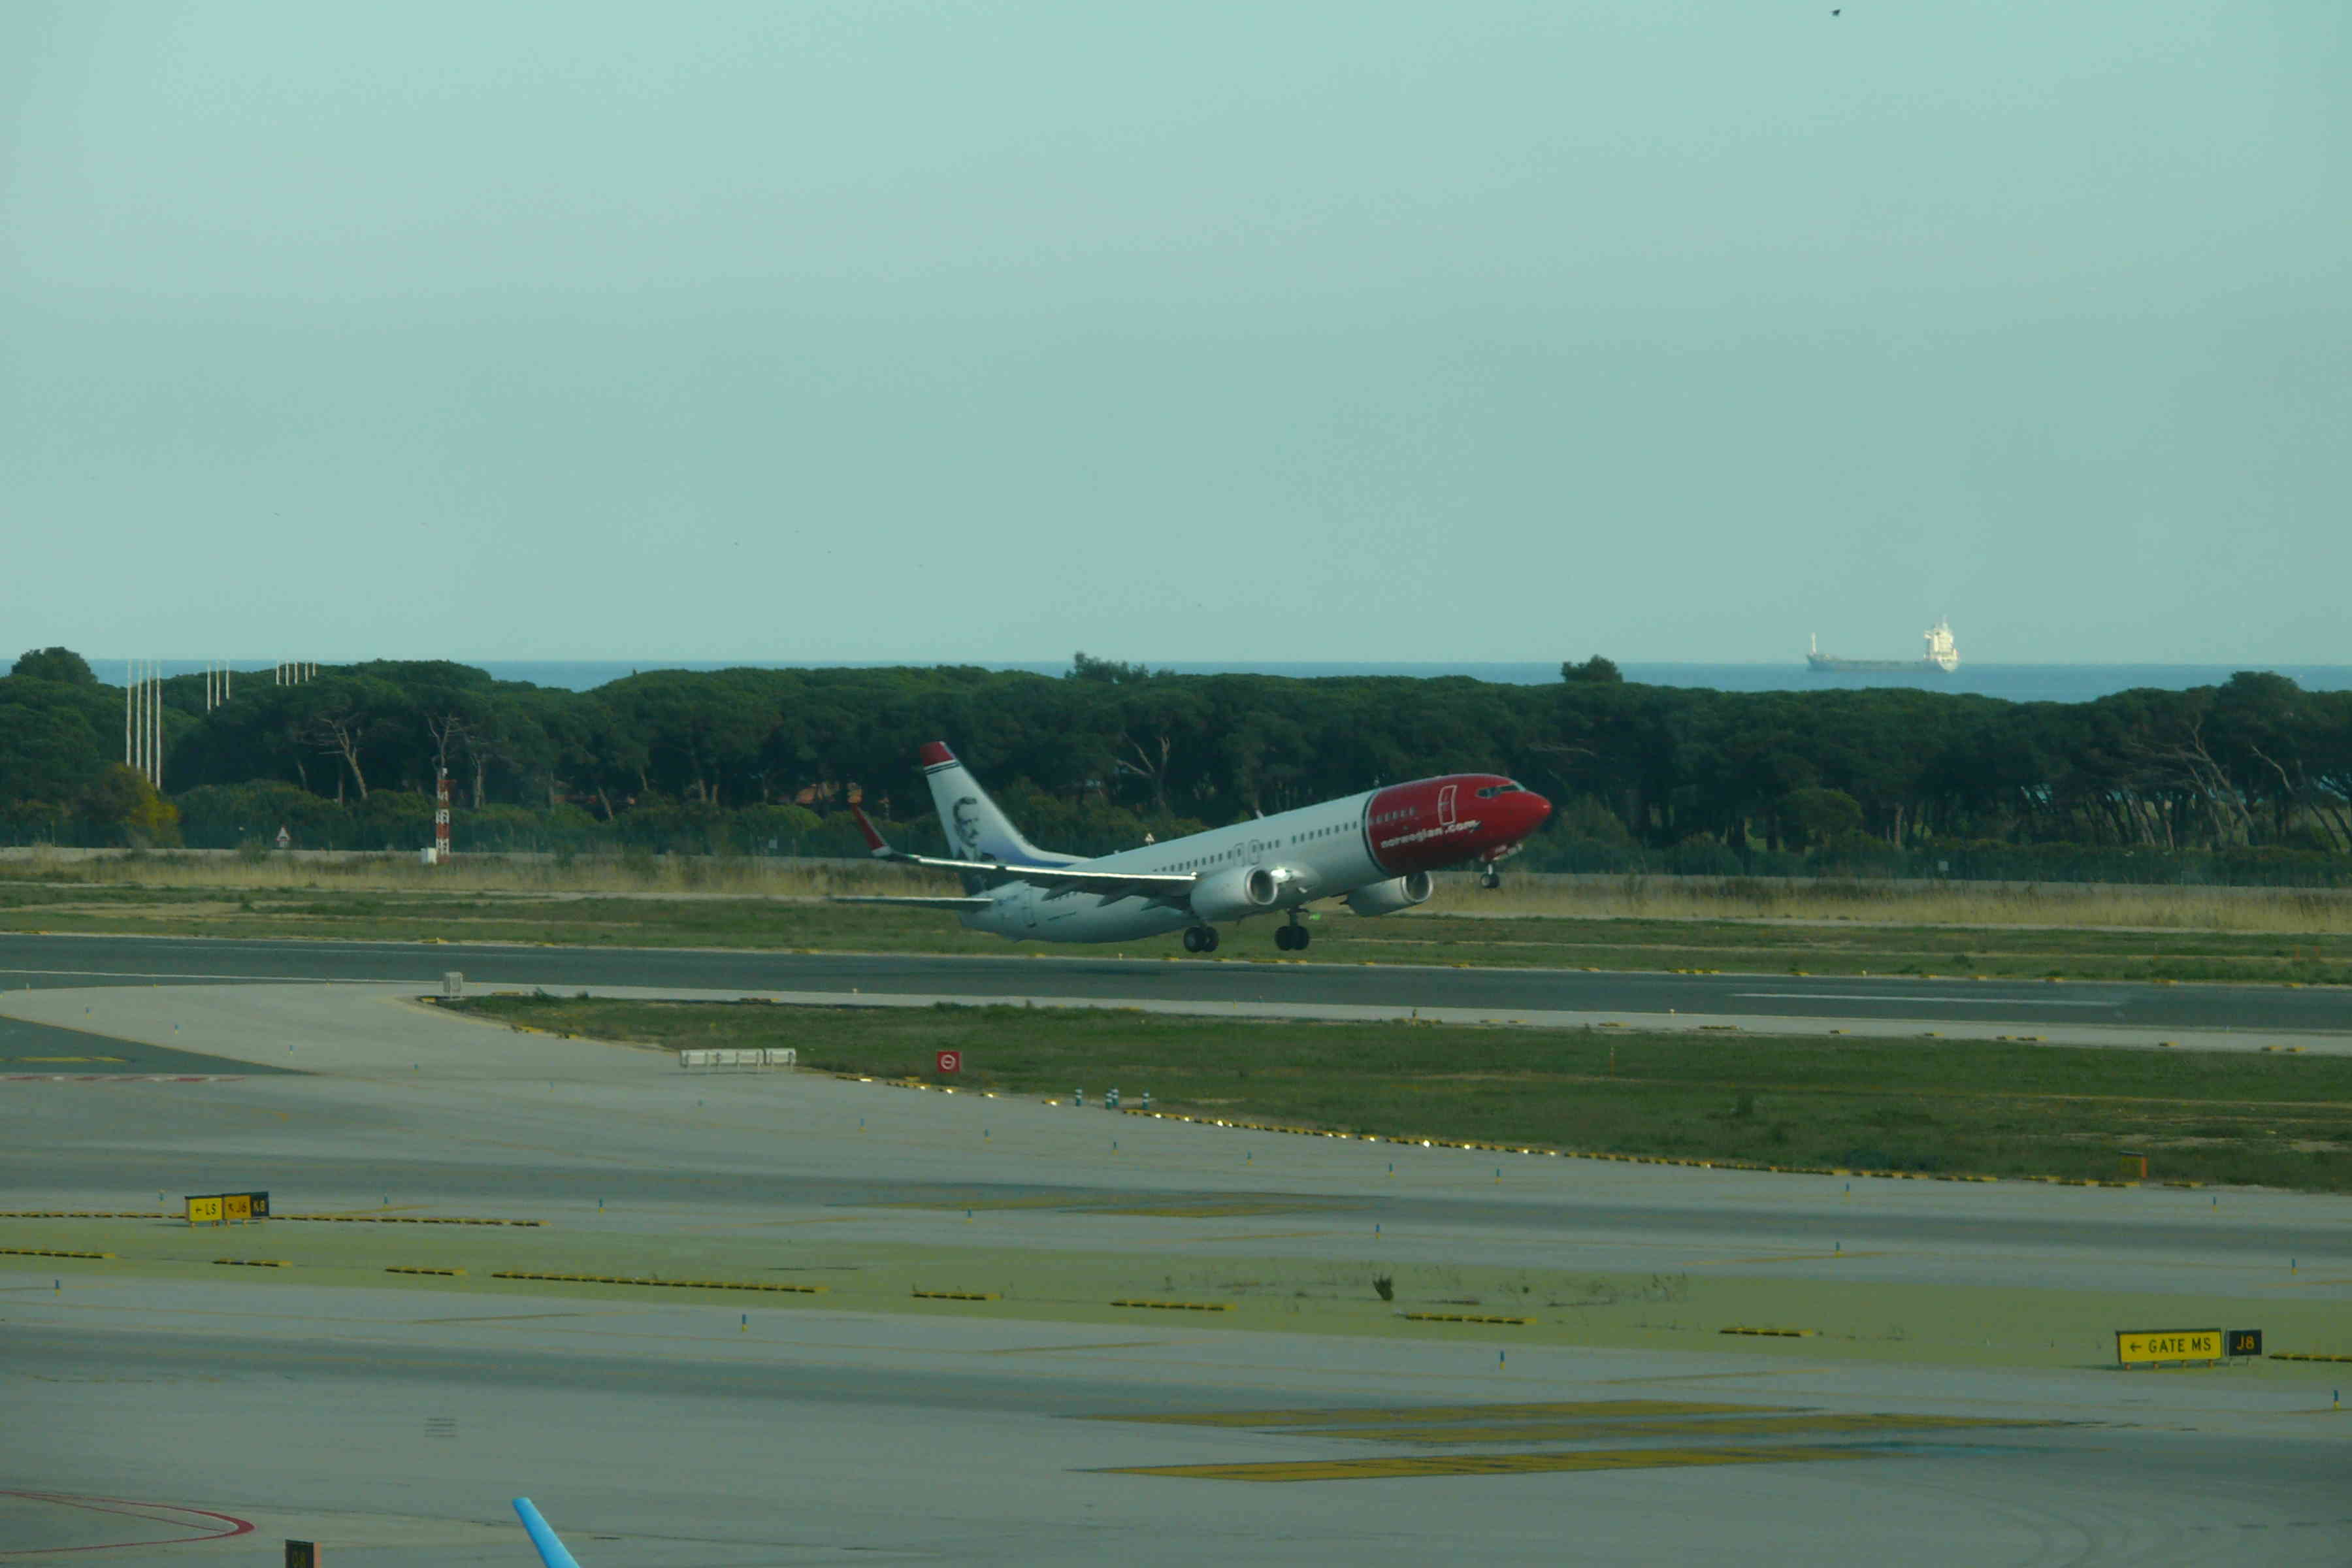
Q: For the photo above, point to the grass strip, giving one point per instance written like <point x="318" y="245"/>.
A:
<point x="1942" y="1107"/>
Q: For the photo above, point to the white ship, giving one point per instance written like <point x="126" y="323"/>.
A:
<point x="1943" y="655"/>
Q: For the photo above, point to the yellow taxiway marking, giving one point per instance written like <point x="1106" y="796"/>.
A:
<point x="944" y="1204"/>
<point x="1209" y="1210"/>
<point x="1642" y="1426"/>
<point x="1114" y="1345"/>
<point x="1785" y="1258"/>
<point x="1712" y="1376"/>
<point x="1361" y="1416"/>
<point x="1487" y="1464"/>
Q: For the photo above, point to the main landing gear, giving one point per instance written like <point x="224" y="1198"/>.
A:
<point x="1292" y="938"/>
<point x="1200" y="938"/>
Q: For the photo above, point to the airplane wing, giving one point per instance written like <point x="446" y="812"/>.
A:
<point x="1053" y="879"/>
<point x="917" y="903"/>
<point x="551" y="1549"/>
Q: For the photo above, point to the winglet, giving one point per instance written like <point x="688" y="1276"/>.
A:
<point x="551" y="1549"/>
<point x="875" y="842"/>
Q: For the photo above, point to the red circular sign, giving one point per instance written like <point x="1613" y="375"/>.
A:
<point x="951" y="1061"/>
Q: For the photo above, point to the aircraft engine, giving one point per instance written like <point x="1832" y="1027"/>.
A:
<point x="1235" y="891"/>
<point x="1387" y="897"/>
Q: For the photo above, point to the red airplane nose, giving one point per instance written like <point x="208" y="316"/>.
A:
<point x="1529" y="812"/>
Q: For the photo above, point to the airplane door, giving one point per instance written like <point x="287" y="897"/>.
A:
<point x="1446" y="806"/>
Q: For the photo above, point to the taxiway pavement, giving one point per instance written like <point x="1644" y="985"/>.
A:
<point x="49" y="961"/>
<point x="1951" y="1409"/>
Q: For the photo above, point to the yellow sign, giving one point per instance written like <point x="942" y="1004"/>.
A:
<point x="220" y="1208"/>
<point x="2167" y="1344"/>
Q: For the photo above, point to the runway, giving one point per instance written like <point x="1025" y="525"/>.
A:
<point x="77" y="961"/>
<point x="1562" y="1388"/>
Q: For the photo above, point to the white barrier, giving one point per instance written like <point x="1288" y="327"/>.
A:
<point x="747" y="1058"/>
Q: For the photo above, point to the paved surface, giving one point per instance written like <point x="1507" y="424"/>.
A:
<point x="2009" y="1006"/>
<point x="662" y="1436"/>
<point x="54" y="1051"/>
<point x="1953" y="1406"/>
<point x="401" y="1103"/>
<point x="1951" y="1409"/>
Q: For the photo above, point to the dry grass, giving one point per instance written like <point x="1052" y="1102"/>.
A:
<point x="1985" y="1106"/>
<point x="2066" y="906"/>
<point x="2054" y="905"/>
<point x="663" y="876"/>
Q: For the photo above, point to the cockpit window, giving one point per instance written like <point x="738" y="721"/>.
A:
<point x="1491" y="791"/>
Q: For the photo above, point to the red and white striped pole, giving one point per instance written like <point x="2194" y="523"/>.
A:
<point x="441" y="817"/>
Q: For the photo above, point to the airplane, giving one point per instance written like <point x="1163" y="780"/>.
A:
<point x="542" y="1537"/>
<point x="1375" y="851"/>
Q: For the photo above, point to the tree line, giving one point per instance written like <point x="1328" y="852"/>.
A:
<point x="2255" y="773"/>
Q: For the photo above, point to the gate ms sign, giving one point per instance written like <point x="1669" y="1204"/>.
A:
<point x="951" y="1062"/>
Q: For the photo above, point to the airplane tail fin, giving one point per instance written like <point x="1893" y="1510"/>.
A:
<point x="976" y="829"/>
<point x="551" y="1549"/>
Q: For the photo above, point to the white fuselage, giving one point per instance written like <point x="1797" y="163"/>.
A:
<point x="1323" y="849"/>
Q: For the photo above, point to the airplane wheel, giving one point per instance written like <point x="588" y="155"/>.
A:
<point x="1298" y="938"/>
<point x="1208" y="939"/>
<point x="1200" y="938"/>
<point x="1490" y="880"/>
<point x="1191" y="938"/>
<point x="1282" y="938"/>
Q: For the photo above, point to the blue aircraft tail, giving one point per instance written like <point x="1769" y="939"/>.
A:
<point x="551" y="1549"/>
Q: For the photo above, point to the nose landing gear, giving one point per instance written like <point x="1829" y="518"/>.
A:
<point x="1291" y="938"/>
<point x="1200" y="938"/>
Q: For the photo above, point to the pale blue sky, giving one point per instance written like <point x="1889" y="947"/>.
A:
<point x="1253" y="331"/>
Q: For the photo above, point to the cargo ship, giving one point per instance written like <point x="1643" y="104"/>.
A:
<point x="1943" y="657"/>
